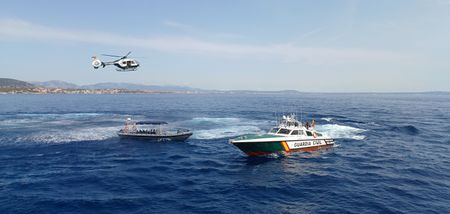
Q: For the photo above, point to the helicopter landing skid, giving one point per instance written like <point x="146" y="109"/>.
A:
<point x="126" y="70"/>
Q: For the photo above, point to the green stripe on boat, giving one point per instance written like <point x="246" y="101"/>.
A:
<point x="260" y="147"/>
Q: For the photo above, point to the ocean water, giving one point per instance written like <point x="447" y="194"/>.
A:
<point x="60" y="154"/>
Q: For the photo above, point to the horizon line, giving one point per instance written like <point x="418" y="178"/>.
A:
<point x="260" y="90"/>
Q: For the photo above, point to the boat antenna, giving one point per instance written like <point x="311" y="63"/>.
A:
<point x="278" y="118"/>
<point x="275" y="115"/>
<point x="301" y="113"/>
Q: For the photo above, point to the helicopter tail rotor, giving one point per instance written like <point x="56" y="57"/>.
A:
<point x="96" y="63"/>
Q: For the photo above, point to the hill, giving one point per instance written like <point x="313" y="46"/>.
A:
<point x="13" y="83"/>
<point x="56" y="84"/>
<point x="132" y="86"/>
<point x="111" y="85"/>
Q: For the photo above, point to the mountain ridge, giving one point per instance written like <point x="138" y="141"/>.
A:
<point x="113" y="85"/>
<point x="55" y="84"/>
<point x="14" y="83"/>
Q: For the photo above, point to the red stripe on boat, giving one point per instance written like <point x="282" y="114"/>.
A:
<point x="259" y="153"/>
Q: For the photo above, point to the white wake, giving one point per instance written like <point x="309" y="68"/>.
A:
<point x="223" y="127"/>
<point x="341" y="131"/>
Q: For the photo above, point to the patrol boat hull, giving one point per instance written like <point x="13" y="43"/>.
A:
<point x="280" y="146"/>
<point x="152" y="137"/>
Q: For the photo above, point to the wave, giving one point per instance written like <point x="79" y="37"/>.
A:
<point x="27" y="120"/>
<point x="225" y="132"/>
<point x="211" y="122"/>
<point x="74" y="114"/>
<point x="218" y="120"/>
<point x="328" y="119"/>
<point x="350" y="121"/>
<point x="341" y="119"/>
<point x="67" y="136"/>
<point x="409" y="129"/>
<point x="223" y="127"/>
<point x="341" y="131"/>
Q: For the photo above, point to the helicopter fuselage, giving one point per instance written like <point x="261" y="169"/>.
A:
<point x="126" y="64"/>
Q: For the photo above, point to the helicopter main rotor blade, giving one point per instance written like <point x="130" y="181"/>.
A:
<point x="129" y="52"/>
<point x="111" y="55"/>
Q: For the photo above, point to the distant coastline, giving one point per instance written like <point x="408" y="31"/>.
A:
<point x="41" y="90"/>
<point x="13" y="86"/>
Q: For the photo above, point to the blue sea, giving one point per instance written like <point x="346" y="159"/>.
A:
<point x="60" y="154"/>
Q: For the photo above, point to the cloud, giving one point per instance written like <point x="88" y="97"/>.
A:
<point x="178" y="26"/>
<point x="441" y="2"/>
<point x="287" y="52"/>
<point x="308" y="34"/>
<point x="197" y="31"/>
<point x="229" y="35"/>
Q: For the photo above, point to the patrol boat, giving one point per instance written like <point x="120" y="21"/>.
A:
<point x="152" y="131"/>
<point x="289" y="136"/>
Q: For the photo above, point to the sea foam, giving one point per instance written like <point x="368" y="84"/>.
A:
<point x="341" y="131"/>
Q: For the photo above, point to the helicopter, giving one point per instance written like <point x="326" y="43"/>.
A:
<point x="123" y="64"/>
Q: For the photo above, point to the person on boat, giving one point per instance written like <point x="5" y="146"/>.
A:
<point x="313" y="123"/>
<point x="307" y="125"/>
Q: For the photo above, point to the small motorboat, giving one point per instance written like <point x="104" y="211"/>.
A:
<point x="152" y="131"/>
<point x="289" y="136"/>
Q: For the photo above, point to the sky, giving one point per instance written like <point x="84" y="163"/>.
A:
<point x="311" y="46"/>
